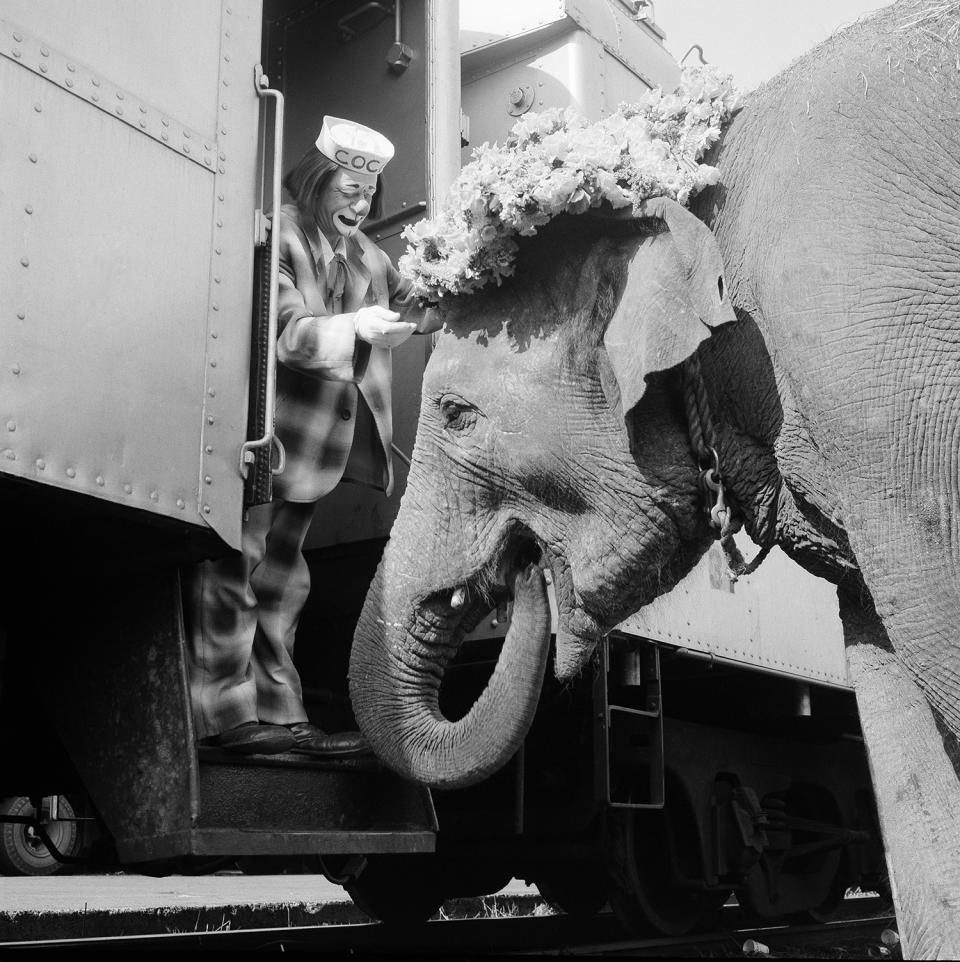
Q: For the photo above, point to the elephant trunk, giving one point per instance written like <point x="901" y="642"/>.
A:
<point x="401" y="649"/>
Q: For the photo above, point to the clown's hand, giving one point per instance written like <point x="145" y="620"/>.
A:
<point x="381" y="327"/>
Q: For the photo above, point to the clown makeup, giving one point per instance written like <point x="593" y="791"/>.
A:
<point x="342" y="205"/>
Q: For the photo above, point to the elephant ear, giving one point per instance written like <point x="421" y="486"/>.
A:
<point x="674" y="293"/>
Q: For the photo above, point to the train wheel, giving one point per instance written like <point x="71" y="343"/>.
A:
<point x="398" y="889"/>
<point x="809" y="887"/>
<point x="577" y="890"/>
<point x="646" y="850"/>
<point x="22" y="852"/>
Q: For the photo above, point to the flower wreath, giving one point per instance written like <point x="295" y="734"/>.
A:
<point x="557" y="162"/>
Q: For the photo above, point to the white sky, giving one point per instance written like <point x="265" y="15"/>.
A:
<point x="754" y="39"/>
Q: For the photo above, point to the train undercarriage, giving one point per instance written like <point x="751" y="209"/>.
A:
<point x="658" y="781"/>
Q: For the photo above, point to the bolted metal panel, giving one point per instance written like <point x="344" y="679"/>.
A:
<point x="160" y="51"/>
<point x="71" y="74"/>
<point x="780" y="619"/>
<point x="230" y="270"/>
<point x="126" y="269"/>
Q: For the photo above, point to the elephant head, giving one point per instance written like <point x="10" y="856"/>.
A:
<point x="537" y="402"/>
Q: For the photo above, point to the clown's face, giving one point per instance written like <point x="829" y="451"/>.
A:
<point x="342" y="205"/>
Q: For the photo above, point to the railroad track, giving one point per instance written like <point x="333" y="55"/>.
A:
<point x="528" y="935"/>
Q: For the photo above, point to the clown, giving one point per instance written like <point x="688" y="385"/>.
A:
<point x="342" y="308"/>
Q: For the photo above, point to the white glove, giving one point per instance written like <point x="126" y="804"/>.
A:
<point x="380" y="327"/>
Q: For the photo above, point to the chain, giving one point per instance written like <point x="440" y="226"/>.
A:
<point x="703" y="443"/>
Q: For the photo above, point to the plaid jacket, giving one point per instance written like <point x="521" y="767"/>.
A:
<point x="333" y="410"/>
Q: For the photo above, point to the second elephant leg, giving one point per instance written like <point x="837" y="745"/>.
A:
<point x="917" y="790"/>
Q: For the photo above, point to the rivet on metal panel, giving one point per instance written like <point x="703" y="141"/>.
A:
<point x="219" y="196"/>
<point x="223" y="156"/>
<point x="69" y="82"/>
<point x="128" y="488"/>
<point x="94" y="98"/>
<point x="186" y="134"/>
<point x="28" y="208"/>
<point x="229" y="10"/>
<point x="33" y="158"/>
<point x="15" y="369"/>
<point x="71" y="68"/>
<point x="45" y="51"/>
<point x="219" y="250"/>
<point x="154" y="496"/>
<point x="41" y="464"/>
<point x="143" y="123"/>
<point x="219" y="223"/>
<point x="186" y="148"/>
<point x="164" y="135"/>
<point x="181" y="503"/>
<point x="210" y="419"/>
<point x="214" y="335"/>
<point x="206" y="509"/>
<point x="119" y="111"/>
<point x="226" y="57"/>
<point x="226" y="33"/>
<point x="119" y="95"/>
<point x="143" y="109"/>
<point x="222" y="169"/>
<point x="226" y="83"/>
<point x="43" y="68"/>
<point x="38" y="108"/>
<point x="207" y="161"/>
<point x="18" y="37"/>
<point x="11" y="425"/>
<point x="216" y="307"/>
<point x="94" y="81"/>
<point x="25" y="261"/>
<point x="213" y="364"/>
<point x="100" y="481"/>
<point x="71" y="472"/>
<point x="21" y="315"/>
<point x="165" y="122"/>
<point x="10" y="454"/>
<point x="211" y="392"/>
<point x="17" y="53"/>
<point x="223" y="106"/>
<point x="209" y="449"/>
<point x="223" y="130"/>
<point x="208" y="480"/>
<point x="208" y="146"/>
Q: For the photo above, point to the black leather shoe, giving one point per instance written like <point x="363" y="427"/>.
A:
<point x="253" y="738"/>
<point x="311" y="740"/>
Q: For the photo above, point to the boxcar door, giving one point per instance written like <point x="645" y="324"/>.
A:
<point x="332" y="58"/>
<point x="127" y="191"/>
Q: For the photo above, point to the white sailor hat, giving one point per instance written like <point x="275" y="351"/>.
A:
<point x="357" y="148"/>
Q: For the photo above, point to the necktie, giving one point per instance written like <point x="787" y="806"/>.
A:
<point x="337" y="275"/>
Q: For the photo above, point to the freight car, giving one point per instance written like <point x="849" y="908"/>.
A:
<point x="716" y="746"/>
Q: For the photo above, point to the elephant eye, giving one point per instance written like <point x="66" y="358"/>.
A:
<point x="457" y="415"/>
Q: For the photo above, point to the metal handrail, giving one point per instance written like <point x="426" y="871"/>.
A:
<point x="261" y="83"/>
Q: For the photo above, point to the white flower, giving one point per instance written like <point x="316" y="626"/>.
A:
<point x="557" y="162"/>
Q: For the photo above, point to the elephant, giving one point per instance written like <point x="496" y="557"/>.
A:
<point x="804" y="319"/>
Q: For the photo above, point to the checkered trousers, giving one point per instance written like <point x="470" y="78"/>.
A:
<point x="241" y="617"/>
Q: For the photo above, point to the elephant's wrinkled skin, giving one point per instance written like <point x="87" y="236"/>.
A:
<point x="551" y="424"/>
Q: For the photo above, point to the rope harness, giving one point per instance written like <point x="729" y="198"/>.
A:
<point x="703" y="442"/>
